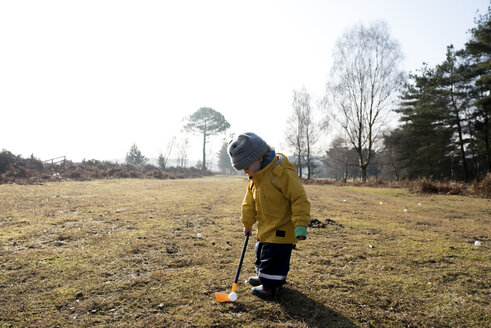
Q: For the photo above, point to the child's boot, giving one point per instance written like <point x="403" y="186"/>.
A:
<point x="263" y="291"/>
<point x="254" y="281"/>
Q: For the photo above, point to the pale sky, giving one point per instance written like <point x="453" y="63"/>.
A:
<point x="87" y="79"/>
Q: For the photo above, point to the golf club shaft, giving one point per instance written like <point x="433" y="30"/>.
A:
<point x="241" y="259"/>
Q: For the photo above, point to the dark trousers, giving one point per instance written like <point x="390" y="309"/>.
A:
<point x="273" y="263"/>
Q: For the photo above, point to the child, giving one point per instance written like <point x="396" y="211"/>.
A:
<point x="276" y="200"/>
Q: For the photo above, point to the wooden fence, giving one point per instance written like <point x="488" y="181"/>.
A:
<point x="56" y="160"/>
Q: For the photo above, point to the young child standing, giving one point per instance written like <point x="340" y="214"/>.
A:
<point x="276" y="201"/>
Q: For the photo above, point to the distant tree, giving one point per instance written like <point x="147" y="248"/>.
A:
<point x="210" y="157"/>
<point x="374" y="169"/>
<point x="135" y="157"/>
<point x="207" y="122"/>
<point x="364" y="83"/>
<point x="162" y="161"/>
<point x="164" y="158"/>
<point x="224" y="163"/>
<point x="182" y="152"/>
<point x="302" y="131"/>
<point x="341" y="159"/>
<point x="295" y="134"/>
<point x="391" y="153"/>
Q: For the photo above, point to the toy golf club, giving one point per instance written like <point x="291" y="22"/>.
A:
<point x="232" y="297"/>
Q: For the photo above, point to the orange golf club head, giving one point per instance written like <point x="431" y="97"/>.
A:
<point x="222" y="297"/>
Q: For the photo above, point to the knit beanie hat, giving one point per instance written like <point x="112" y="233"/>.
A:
<point x="245" y="150"/>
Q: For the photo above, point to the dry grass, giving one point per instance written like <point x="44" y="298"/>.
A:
<point x="124" y="253"/>
<point x="481" y="188"/>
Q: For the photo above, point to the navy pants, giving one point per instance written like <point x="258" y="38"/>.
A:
<point x="272" y="263"/>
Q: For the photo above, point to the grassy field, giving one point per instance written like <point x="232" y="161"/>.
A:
<point x="125" y="253"/>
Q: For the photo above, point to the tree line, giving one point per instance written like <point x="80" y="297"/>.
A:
<point x="443" y="111"/>
<point x="206" y="122"/>
<point x="443" y="129"/>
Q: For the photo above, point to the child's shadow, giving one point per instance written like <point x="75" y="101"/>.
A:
<point x="313" y="313"/>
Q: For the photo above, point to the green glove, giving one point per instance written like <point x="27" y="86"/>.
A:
<point x="301" y="231"/>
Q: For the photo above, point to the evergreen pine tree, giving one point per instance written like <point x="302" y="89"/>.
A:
<point x="135" y="156"/>
<point x="453" y="91"/>
<point x="478" y="53"/>
<point x="426" y="147"/>
<point x="224" y="163"/>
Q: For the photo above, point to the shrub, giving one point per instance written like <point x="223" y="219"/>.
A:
<point x="423" y="186"/>
<point x="482" y="188"/>
<point x="96" y="173"/>
<point x="21" y="173"/>
<point x="75" y="175"/>
<point x="15" y="169"/>
<point x="427" y="186"/>
<point x="6" y="158"/>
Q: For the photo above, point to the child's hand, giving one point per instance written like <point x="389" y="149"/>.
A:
<point x="247" y="231"/>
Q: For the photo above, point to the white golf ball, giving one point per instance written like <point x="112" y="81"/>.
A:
<point x="199" y="235"/>
<point x="232" y="297"/>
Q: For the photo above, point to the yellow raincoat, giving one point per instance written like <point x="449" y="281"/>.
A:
<point x="276" y="200"/>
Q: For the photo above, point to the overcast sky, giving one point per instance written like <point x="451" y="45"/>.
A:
<point x="87" y="79"/>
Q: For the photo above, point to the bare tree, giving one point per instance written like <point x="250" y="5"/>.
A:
<point x="182" y="152"/>
<point x="164" y="158"/>
<point x="303" y="132"/>
<point x="312" y="135"/>
<point x="210" y="156"/>
<point x="363" y="86"/>
<point x="295" y="133"/>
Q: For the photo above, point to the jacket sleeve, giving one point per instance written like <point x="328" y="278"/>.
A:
<point x="295" y="192"/>
<point x="248" y="211"/>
